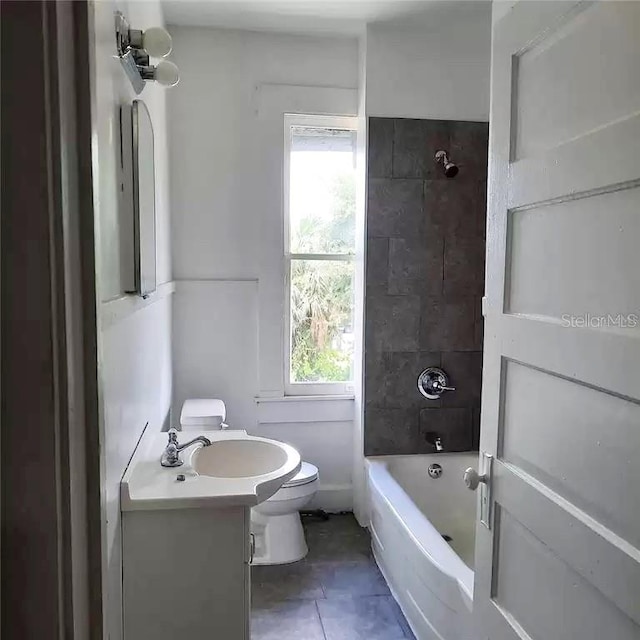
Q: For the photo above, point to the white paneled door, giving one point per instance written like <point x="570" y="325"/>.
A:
<point x="561" y="396"/>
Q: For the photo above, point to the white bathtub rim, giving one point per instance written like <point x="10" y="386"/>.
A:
<point x="398" y="500"/>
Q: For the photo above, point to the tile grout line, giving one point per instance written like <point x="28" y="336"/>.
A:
<point x="393" y="145"/>
<point x="324" y="633"/>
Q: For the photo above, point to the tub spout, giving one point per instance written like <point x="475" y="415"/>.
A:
<point x="434" y="439"/>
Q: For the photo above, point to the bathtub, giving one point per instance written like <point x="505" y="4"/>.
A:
<point x="410" y="515"/>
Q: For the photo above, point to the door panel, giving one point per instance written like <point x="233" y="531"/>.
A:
<point x="546" y="596"/>
<point x="609" y="444"/>
<point x="561" y="386"/>
<point x="606" y="560"/>
<point x="595" y="161"/>
<point x="588" y="284"/>
<point x="554" y="77"/>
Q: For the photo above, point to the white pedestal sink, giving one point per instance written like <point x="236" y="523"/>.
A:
<point x="236" y="469"/>
<point x="185" y="532"/>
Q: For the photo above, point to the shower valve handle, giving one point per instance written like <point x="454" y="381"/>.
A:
<point x="441" y="387"/>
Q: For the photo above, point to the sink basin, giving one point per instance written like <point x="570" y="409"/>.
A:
<point x="239" y="458"/>
<point x="237" y="469"/>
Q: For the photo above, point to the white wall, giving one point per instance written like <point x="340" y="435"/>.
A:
<point x="500" y="8"/>
<point x="439" y="71"/>
<point x="134" y="339"/>
<point x="329" y="446"/>
<point x="226" y="139"/>
<point x="213" y="128"/>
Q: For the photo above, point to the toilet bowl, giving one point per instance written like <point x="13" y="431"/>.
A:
<point x="278" y="536"/>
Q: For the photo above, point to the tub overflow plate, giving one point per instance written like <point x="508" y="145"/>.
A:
<point x="435" y="470"/>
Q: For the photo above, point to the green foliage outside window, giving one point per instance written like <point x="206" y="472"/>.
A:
<point x="322" y="293"/>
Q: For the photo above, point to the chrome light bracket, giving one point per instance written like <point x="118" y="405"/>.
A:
<point x="128" y="43"/>
<point x="133" y="73"/>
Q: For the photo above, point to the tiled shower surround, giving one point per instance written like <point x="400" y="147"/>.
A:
<point x="424" y="283"/>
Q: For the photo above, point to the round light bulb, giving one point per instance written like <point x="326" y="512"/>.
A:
<point x="167" y="74"/>
<point x="157" y="42"/>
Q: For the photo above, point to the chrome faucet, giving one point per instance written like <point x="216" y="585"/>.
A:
<point x="171" y="454"/>
<point x="433" y="438"/>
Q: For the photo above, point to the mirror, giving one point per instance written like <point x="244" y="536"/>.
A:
<point x="139" y="189"/>
<point x="144" y="199"/>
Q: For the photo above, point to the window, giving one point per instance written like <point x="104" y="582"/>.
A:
<point x="320" y="224"/>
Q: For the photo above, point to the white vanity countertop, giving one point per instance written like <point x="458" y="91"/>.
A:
<point x="147" y="485"/>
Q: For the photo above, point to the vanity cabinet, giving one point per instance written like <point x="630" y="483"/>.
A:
<point x="185" y="533"/>
<point x="186" y="573"/>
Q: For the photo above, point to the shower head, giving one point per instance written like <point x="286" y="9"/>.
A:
<point x="450" y="168"/>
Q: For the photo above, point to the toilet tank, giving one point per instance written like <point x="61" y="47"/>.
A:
<point x="204" y="414"/>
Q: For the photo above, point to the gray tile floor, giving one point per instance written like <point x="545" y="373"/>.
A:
<point x="335" y="593"/>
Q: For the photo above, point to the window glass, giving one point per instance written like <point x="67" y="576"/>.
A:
<point x="321" y="321"/>
<point x="322" y="191"/>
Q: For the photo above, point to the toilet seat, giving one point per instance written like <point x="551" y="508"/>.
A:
<point x="307" y="474"/>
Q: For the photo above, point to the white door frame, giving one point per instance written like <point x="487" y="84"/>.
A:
<point x="51" y="529"/>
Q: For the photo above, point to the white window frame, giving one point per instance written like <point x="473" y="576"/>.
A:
<point x="348" y="123"/>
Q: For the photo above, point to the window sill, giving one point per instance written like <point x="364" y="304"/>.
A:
<point x="305" y="409"/>
<point x="334" y="398"/>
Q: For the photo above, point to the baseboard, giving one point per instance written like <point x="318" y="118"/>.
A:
<point x="333" y="498"/>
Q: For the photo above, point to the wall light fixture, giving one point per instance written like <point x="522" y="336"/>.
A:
<point x="134" y="48"/>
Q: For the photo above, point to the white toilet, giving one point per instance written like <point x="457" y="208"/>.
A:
<point x="275" y="524"/>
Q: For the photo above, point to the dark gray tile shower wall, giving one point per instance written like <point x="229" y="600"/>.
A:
<point x="424" y="282"/>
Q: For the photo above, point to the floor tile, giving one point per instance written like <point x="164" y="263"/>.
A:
<point x="351" y="579"/>
<point x="336" y="593"/>
<point x="340" y="538"/>
<point x="368" y="618"/>
<point x="293" y="620"/>
<point x="297" y="581"/>
<point x="335" y="549"/>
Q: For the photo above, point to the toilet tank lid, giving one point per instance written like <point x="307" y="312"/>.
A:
<point x="308" y="473"/>
<point x="203" y="411"/>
